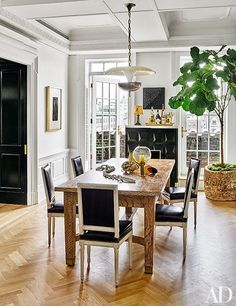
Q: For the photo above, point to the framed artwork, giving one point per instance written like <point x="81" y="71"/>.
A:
<point x="53" y="101"/>
<point x="153" y="97"/>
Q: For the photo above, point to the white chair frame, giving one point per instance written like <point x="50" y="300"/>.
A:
<point x="115" y="230"/>
<point x="51" y="216"/>
<point x="193" y="200"/>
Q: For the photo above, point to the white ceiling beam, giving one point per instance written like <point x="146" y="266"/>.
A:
<point x="162" y="18"/>
<point x="6" y="3"/>
<point x="117" y="20"/>
<point x="200" y="4"/>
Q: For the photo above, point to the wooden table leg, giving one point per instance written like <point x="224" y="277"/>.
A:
<point x="149" y="219"/>
<point x="70" y="200"/>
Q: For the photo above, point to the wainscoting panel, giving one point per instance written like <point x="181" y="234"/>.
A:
<point x="59" y="168"/>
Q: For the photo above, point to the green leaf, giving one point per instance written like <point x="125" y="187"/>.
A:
<point x="211" y="83"/>
<point x="175" y="103"/>
<point x="186" y="67"/>
<point x="179" y="81"/>
<point x="211" y="106"/>
<point x="232" y="53"/>
<point x="186" y="104"/>
<point x="233" y="91"/>
<point x="194" y="52"/>
<point x="223" y="75"/>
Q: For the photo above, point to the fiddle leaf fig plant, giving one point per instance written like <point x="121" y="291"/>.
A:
<point x="207" y="82"/>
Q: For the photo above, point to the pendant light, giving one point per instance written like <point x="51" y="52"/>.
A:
<point x="131" y="71"/>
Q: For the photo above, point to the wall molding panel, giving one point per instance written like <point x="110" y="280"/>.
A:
<point x="59" y="168"/>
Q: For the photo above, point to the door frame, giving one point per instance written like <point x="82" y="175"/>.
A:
<point x="94" y="79"/>
<point x="25" y="52"/>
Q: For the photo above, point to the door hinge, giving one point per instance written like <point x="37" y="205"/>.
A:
<point x="91" y="85"/>
<point x="25" y="149"/>
<point x="91" y="121"/>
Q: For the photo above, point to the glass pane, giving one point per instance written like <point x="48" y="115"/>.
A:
<point x="192" y="141"/>
<point x="203" y="156"/>
<point x="188" y="157"/>
<point x="203" y="141"/>
<point x="109" y="65"/>
<point x="113" y="139"/>
<point x="203" y="124"/>
<point x="112" y="123"/>
<point x="99" y="139"/>
<point x="105" y="154"/>
<point x="99" y="106"/>
<point x="112" y="91"/>
<point x="99" y="90"/>
<point x="97" y="67"/>
<point x="98" y="155"/>
<point x="113" y="106"/>
<point x="214" y="142"/>
<point x="99" y="123"/>
<point x="105" y="139"/>
<point x="105" y="123"/>
<point x="214" y="157"/>
<point x="214" y="124"/>
<point x="106" y="106"/>
<point x="112" y="152"/>
<point x="191" y="123"/>
<point x="105" y="90"/>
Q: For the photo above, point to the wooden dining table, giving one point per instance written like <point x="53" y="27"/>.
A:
<point x="144" y="193"/>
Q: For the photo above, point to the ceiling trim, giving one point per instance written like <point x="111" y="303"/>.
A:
<point x="33" y="32"/>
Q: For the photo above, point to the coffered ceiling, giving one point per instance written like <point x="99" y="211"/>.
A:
<point x="102" y="24"/>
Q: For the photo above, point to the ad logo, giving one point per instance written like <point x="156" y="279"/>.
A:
<point x="219" y="295"/>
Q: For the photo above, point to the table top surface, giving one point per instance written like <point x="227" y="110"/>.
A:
<point x="148" y="186"/>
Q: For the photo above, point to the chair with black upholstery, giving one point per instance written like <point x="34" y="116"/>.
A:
<point x="176" y="194"/>
<point x="171" y="215"/>
<point x="77" y="165"/>
<point x="155" y="154"/>
<point x="54" y="208"/>
<point x="99" y="223"/>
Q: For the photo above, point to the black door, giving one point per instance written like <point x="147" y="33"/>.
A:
<point x="13" y="132"/>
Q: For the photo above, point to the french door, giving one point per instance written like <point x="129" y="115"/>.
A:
<point x="200" y="138"/>
<point x="109" y="117"/>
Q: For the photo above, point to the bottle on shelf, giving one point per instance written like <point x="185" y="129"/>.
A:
<point x="158" y="117"/>
<point x="152" y="116"/>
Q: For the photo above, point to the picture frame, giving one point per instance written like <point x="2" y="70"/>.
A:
<point x="53" y="108"/>
<point x="153" y="97"/>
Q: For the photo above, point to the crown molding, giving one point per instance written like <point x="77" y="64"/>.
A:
<point x="33" y="32"/>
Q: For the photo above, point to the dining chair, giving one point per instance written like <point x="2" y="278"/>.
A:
<point x="77" y="165"/>
<point x="155" y="154"/>
<point x="173" y="195"/>
<point x="171" y="215"/>
<point x="99" y="223"/>
<point x="54" y="209"/>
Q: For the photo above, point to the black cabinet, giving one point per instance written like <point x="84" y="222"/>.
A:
<point x="155" y="138"/>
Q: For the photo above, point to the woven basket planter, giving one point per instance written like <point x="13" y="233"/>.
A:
<point x="220" y="185"/>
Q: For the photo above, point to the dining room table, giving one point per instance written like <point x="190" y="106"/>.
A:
<point x="144" y="192"/>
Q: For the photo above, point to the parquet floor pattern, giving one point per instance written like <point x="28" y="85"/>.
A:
<point x="32" y="274"/>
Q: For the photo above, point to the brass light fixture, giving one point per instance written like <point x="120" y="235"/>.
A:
<point x="131" y="71"/>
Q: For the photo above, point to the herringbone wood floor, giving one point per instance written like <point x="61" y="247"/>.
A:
<point x="33" y="274"/>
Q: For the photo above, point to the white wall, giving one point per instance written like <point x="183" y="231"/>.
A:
<point x="52" y="71"/>
<point x="52" y="146"/>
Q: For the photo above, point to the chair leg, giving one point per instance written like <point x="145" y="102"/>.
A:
<point x="88" y="254"/>
<point x="195" y="213"/>
<point x="82" y="262"/>
<point x="116" y="253"/>
<point x="130" y="251"/>
<point x="184" y="240"/>
<point x="49" y="230"/>
<point x="53" y="226"/>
